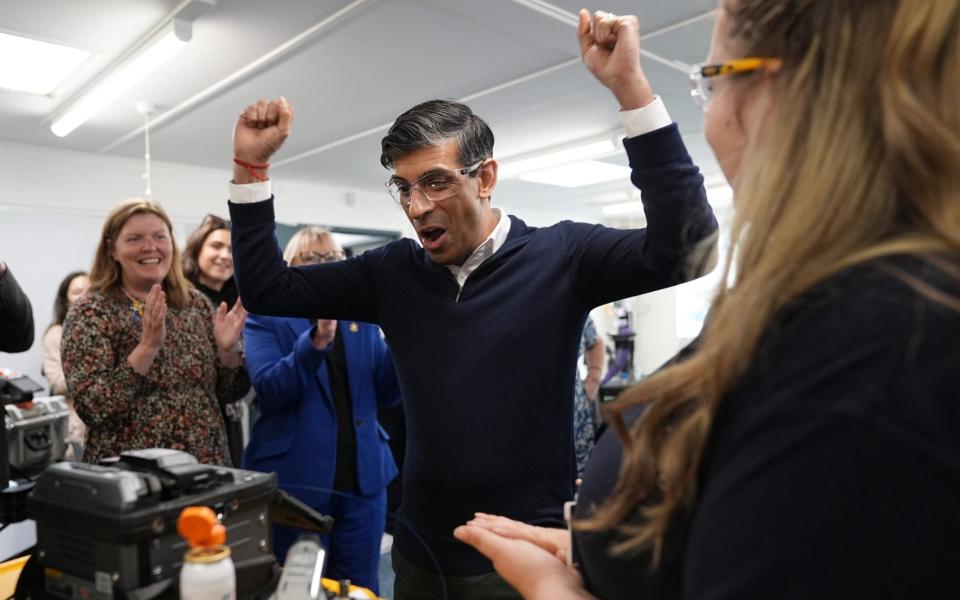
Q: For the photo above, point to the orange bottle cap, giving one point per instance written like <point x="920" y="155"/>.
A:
<point x="200" y="527"/>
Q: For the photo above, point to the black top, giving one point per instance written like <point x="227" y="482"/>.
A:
<point x="833" y="468"/>
<point x="228" y="293"/>
<point x="16" y="316"/>
<point x="345" y="475"/>
<point x="487" y="371"/>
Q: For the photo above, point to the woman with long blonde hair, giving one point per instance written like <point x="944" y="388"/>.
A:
<point x="146" y="357"/>
<point x="806" y="445"/>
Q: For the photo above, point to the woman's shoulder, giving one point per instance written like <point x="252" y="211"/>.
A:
<point x="53" y="334"/>
<point x="890" y="281"/>
<point x="896" y="296"/>
<point x="863" y="341"/>
<point x="92" y="304"/>
<point x="97" y="314"/>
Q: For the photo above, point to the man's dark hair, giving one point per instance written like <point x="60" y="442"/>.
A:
<point x="432" y="122"/>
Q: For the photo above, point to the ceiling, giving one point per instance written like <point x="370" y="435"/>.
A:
<point x="349" y="68"/>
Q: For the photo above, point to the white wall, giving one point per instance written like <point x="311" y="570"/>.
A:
<point x="36" y="177"/>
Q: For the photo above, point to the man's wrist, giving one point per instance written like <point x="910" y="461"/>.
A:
<point x="636" y="94"/>
<point x="242" y="175"/>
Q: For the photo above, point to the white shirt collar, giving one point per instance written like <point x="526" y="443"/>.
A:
<point x="485" y="250"/>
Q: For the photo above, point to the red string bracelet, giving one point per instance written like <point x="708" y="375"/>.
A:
<point x="252" y="168"/>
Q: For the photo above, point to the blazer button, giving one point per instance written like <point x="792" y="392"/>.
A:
<point x="359" y="422"/>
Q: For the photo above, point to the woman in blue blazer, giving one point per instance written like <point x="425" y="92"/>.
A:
<point x="319" y="384"/>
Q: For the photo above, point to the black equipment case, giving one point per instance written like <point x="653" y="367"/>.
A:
<point x="109" y="531"/>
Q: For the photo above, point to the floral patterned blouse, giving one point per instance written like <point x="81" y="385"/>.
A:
<point x="174" y="406"/>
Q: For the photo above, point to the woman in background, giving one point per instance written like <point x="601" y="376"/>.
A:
<point x="319" y="385"/>
<point x="208" y="261"/>
<point x="208" y="264"/>
<point x="147" y="359"/>
<point x="806" y="445"/>
<point x="71" y="289"/>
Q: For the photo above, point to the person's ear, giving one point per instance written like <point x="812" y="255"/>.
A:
<point x="773" y="66"/>
<point x="488" y="178"/>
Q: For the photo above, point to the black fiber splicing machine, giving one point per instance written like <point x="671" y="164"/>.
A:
<point x="108" y="531"/>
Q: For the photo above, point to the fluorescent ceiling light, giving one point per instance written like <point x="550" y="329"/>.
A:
<point x="165" y="44"/>
<point x="623" y="208"/>
<point x="513" y="168"/>
<point x="585" y="172"/>
<point x="39" y="67"/>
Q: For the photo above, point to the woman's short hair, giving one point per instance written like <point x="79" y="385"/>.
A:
<point x="304" y="238"/>
<point x="105" y="274"/>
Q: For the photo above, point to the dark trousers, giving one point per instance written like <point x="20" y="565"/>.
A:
<point x="415" y="583"/>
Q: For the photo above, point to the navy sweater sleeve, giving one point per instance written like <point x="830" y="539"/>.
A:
<point x="609" y="264"/>
<point x="385" y="374"/>
<point x="339" y="290"/>
<point x="16" y="316"/>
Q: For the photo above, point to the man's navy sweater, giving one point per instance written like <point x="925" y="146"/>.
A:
<point x="487" y="371"/>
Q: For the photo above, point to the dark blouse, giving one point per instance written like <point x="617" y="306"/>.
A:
<point x="174" y="406"/>
<point x="833" y="468"/>
<point x="228" y="293"/>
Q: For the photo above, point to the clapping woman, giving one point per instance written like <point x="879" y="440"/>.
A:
<point x="147" y="359"/>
